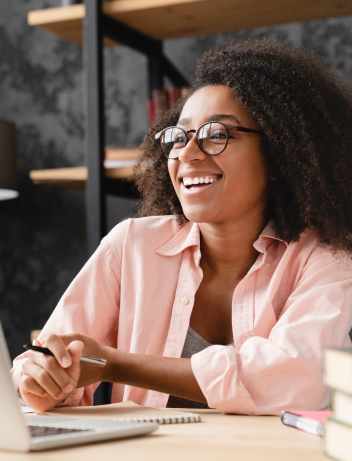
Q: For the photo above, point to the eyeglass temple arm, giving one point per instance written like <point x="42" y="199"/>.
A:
<point x="247" y="130"/>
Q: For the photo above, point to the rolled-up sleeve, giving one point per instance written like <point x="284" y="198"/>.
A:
<point x="90" y="306"/>
<point x="284" y="371"/>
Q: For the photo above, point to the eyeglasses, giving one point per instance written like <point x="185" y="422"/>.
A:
<point x="212" y="138"/>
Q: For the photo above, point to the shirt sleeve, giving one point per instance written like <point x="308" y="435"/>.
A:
<point x="89" y="306"/>
<point x="284" y="371"/>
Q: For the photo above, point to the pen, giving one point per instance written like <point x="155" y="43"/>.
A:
<point x="84" y="358"/>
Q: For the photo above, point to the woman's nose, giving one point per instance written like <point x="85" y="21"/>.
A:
<point x="191" y="152"/>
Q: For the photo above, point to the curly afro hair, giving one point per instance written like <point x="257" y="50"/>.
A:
<point x="305" y="113"/>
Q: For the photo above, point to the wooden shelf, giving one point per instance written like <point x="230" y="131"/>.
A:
<point x="165" y="19"/>
<point x="75" y="177"/>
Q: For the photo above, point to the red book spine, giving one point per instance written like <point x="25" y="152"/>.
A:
<point x="174" y="96"/>
<point x="151" y="113"/>
<point x="159" y="101"/>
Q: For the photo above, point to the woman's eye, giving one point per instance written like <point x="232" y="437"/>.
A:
<point x="218" y="135"/>
<point x="179" y="139"/>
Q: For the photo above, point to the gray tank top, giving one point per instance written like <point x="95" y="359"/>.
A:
<point x="194" y="343"/>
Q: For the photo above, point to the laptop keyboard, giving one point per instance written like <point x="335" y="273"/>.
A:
<point x="42" y="431"/>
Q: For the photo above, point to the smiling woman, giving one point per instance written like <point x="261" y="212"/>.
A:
<point x="237" y="269"/>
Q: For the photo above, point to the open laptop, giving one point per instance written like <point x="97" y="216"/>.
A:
<point x="27" y="432"/>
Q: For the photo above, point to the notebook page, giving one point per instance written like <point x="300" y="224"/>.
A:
<point x="127" y="411"/>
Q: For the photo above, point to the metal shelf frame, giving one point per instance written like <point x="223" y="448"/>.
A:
<point x="96" y="26"/>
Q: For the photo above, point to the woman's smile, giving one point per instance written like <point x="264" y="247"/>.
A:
<point x="193" y="184"/>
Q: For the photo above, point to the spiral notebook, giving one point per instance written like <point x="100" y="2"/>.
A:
<point x="127" y="411"/>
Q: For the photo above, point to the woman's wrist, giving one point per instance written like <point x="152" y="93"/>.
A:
<point x="113" y="371"/>
<point x="162" y="374"/>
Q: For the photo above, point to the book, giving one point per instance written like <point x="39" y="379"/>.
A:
<point x="338" y="369"/>
<point x="120" y="157"/>
<point x="341" y="404"/>
<point x="174" y="94"/>
<point x="337" y="442"/>
<point x="151" y="112"/>
<point x="121" y="153"/>
<point x="127" y="411"/>
<point x="308" y="421"/>
<point x="160" y="101"/>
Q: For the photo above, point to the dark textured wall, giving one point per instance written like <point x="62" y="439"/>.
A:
<point x="42" y="234"/>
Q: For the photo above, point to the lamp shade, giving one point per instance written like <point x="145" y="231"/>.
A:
<point x="8" y="164"/>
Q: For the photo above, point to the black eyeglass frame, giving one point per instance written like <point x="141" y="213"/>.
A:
<point x="225" y="125"/>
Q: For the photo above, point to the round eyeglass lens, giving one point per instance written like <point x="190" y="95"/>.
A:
<point x="212" y="138"/>
<point x="172" y="140"/>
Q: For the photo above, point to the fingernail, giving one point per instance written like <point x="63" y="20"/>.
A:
<point x="68" y="388"/>
<point x="66" y="362"/>
<point x="60" y="396"/>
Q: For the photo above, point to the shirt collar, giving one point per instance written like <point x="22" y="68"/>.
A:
<point x="266" y="236"/>
<point x="189" y="235"/>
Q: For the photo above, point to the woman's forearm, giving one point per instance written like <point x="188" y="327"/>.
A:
<point x="162" y="374"/>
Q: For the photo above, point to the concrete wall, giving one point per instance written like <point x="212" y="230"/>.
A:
<point x="42" y="234"/>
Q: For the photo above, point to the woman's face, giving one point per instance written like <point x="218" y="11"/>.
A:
<point x="241" y="179"/>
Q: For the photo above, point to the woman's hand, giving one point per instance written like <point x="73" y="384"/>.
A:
<point x="48" y="380"/>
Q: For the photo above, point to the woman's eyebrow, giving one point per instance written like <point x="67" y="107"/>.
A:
<point x="183" y="121"/>
<point x="212" y="118"/>
<point x="220" y="117"/>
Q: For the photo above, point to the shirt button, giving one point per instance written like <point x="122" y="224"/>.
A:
<point x="184" y="300"/>
<point x="268" y="265"/>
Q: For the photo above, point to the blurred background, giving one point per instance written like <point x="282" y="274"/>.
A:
<point x="43" y="231"/>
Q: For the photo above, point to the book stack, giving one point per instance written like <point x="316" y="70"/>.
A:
<point x="164" y="99"/>
<point x="338" y="428"/>
<point x="116" y="157"/>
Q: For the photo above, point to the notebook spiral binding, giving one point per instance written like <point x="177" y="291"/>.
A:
<point x="191" y="418"/>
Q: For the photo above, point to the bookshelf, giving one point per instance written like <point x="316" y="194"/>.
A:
<point x="96" y="21"/>
<point x="143" y="25"/>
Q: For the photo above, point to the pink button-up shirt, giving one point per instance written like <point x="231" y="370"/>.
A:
<point x="136" y="294"/>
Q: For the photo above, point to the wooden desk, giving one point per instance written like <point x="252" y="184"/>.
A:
<point x="218" y="437"/>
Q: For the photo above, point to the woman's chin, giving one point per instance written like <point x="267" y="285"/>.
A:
<point x="198" y="214"/>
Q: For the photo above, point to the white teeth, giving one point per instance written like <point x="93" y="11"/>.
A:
<point x="201" y="180"/>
